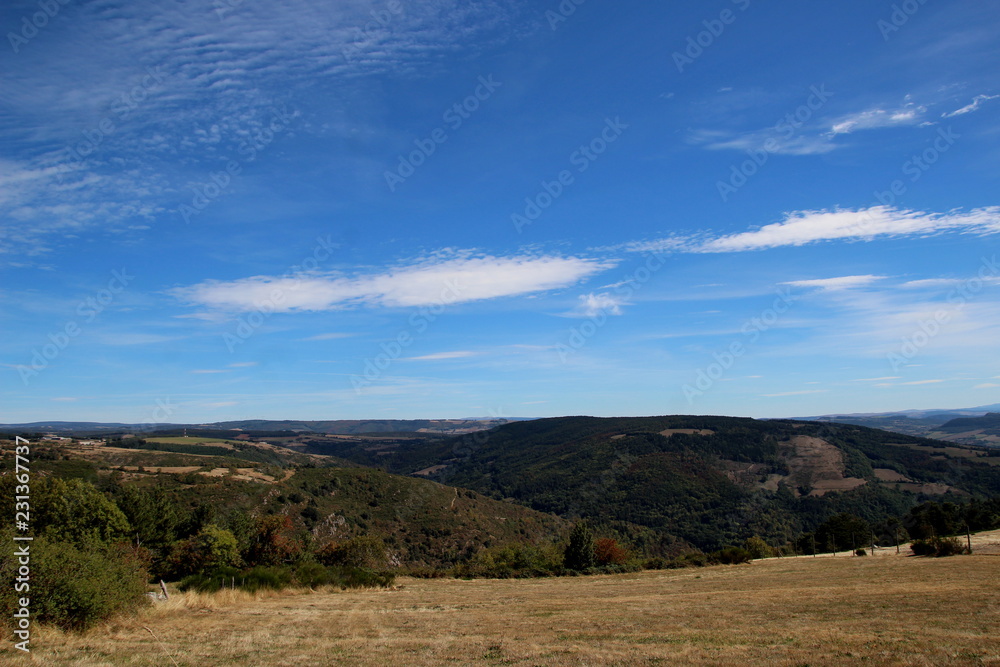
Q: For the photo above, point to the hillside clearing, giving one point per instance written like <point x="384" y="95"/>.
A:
<point x="821" y="611"/>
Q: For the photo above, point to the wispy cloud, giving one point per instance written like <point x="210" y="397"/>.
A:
<point x="441" y="356"/>
<point x="882" y="379"/>
<point x="327" y="336"/>
<point x="836" y="284"/>
<point x="879" y="117"/>
<point x="800" y="228"/>
<point x="450" y="278"/>
<point x="221" y="68"/>
<point x="975" y="105"/>
<point x="772" y="140"/>
<point x="805" y="227"/>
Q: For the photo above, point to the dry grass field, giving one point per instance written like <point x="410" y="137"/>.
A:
<point x="792" y="611"/>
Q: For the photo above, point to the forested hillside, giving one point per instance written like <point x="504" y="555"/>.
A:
<point x="709" y="481"/>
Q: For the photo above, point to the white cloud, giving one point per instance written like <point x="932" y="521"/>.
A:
<point x="440" y="280"/>
<point x="908" y="114"/>
<point x="890" y="377"/>
<point x="919" y="382"/>
<point x="592" y="305"/>
<point x="836" y="284"/>
<point x="440" y="356"/>
<point x="987" y="385"/>
<point x="771" y="140"/>
<point x="804" y="227"/>
<point x="327" y="336"/>
<point x="976" y="103"/>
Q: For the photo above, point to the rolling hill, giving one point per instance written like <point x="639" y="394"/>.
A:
<point x="707" y="481"/>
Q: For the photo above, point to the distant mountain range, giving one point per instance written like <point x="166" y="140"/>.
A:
<point x="267" y="426"/>
<point x="968" y="426"/>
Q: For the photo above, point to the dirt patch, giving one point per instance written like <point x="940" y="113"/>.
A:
<point x="815" y="464"/>
<point x="931" y="489"/>
<point x="430" y="471"/>
<point x="824" y="486"/>
<point x="163" y="469"/>
<point x="888" y="475"/>
<point x="689" y="431"/>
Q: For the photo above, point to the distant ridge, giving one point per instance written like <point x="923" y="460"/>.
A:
<point x="331" y="427"/>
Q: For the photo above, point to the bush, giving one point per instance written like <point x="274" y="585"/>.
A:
<point x="609" y="552"/>
<point x="75" y="587"/>
<point x="938" y="546"/>
<point x="364" y="551"/>
<point x="276" y="578"/>
<point x="758" y="548"/>
<point x="860" y="552"/>
<point x="212" y="548"/>
<point x="731" y="556"/>
<point x="512" y="561"/>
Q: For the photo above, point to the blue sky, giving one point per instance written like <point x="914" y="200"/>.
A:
<point x="236" y="209"/>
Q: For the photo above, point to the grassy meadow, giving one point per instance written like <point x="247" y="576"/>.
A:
<point x="793" y="611"/>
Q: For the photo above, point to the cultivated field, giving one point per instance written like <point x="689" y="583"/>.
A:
<point x="793" y="611"/>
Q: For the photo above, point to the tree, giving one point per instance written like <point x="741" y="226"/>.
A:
<point x="758" y="548"/>
<point x="579" y="554"/>
<point x="608" y="552"/>
<point x="843" y="531"/>
<point x="272" y="542"/>
<point x="211" y="549"/>
<point x="72" y="510"/>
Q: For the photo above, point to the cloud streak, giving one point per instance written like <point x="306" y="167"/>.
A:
<point x="436" y="281"/>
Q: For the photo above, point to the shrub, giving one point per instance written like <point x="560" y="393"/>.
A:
<point x="277" y="578"/>
<point x="938" y="546"/>
<point x="758" y="548"/>
<point x="364" y="551"/>
<point x="609" y="552"/>
<point x="272" y="542"/>
<point x="860" y="552"/>
<point x="731" y="556"/>
<point x="212" y="548"/>
<point x="76" y="587"/>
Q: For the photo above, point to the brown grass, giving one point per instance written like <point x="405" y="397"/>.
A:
<point x="815" y="611"/>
